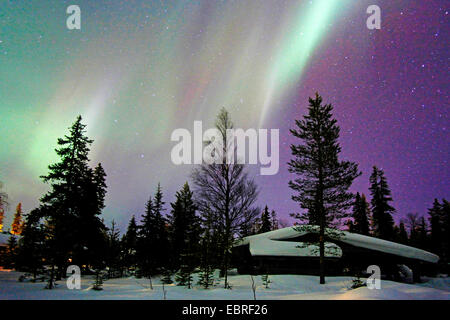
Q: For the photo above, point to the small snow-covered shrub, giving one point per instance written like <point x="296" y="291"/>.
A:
<point x="266" y="281"/>
<point x="357" y="283"/>
<point x="98" y="284"/>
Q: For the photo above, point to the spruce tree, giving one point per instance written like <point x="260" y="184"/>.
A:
<point x="206" y="276"/>
<point x="99" y="176"/>
<point x="147" y="241"/>
<point x="98" y="283"/>
<point x="113" y="249"/>
<point x="31" y="245"/>
<point x="184" y="227"/>
<point x="207" y="251"/>
<point x="360" y="215"/>
<point x="94" y="243"/>
<point x="152" y="237"/>
<point x="166" y="275"/>
<point x="163" y="252"/>
<point x="402" y="234"/>
<point x="445" y="218"/>
<point x="74" y="202"/>
<point x="322" y="180"/>
<point x="423" y="234"/>
<point x="350" y="226"/>
<point x="11" y="252"/>
<point x="266" y="280"/>
<point x="184" y="275"/>
<point x="381" y="209"/>
<point x="17" y="224"/>
<point x="436" y="240"/>
<point x="185" y="235"/>
<point x="274" y="220"/>
<point x="129" y="244"/>
<point x="266" y="225"/>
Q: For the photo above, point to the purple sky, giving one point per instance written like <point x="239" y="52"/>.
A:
<point x="137" y="70"/>
<point x="391" y="102"/>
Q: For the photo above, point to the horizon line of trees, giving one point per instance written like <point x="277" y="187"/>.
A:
<point x="197" y="233"/>
<point x="199" y="230"/>
<point x="429" y="231"/>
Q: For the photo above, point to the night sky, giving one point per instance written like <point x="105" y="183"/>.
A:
<point x="137" y="70"/>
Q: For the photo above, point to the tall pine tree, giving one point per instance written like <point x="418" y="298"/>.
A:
<point x="445" y="218"/>
<point x="436" y="226"/>
<point x="74" y="202"/>
<point x="113" y="250"/>
<point x="274" y="220"/>
<point x="381" y="209"/>
<point x="10" y="256"/>
<point x="17" y="224"/>
<point x="147" y="241"/>
<point x="94" y="242"/>
<point x="208" y="251"/>
<point x="184" y="229"/>
<point x="266" y="225"/>
<point x="360" y="215"/>
<point x="31" y="245"/>
<point x="402" y="236"/>
<point x="152" y="237"/>
<point x="162" y="225"/>
<point x="423" y="234"/>
<point x="129" y="245"/>
<point x="322" y="180"/>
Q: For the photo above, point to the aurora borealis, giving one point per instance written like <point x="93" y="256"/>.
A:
<point x="137" y="70"/>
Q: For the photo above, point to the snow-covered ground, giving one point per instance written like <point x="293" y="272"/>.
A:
<point x="282" y="287"/>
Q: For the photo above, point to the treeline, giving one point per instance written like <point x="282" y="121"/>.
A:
<point x="176" y="244"/>
<point x="429" y="231"/>
<point x="195" y="233"/>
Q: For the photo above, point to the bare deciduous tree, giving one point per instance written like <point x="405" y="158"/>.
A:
<point x="226" y="190"/>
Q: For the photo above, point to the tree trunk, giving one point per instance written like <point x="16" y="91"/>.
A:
<point x="52" y="275"/>
<point x="58" y="274"/>
<point x="321" y="220"/>
<point x="322" y="250"/>
<point x="225" y="260"/>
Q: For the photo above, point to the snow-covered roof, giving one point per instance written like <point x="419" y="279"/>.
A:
<point x="268" y="244"/>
